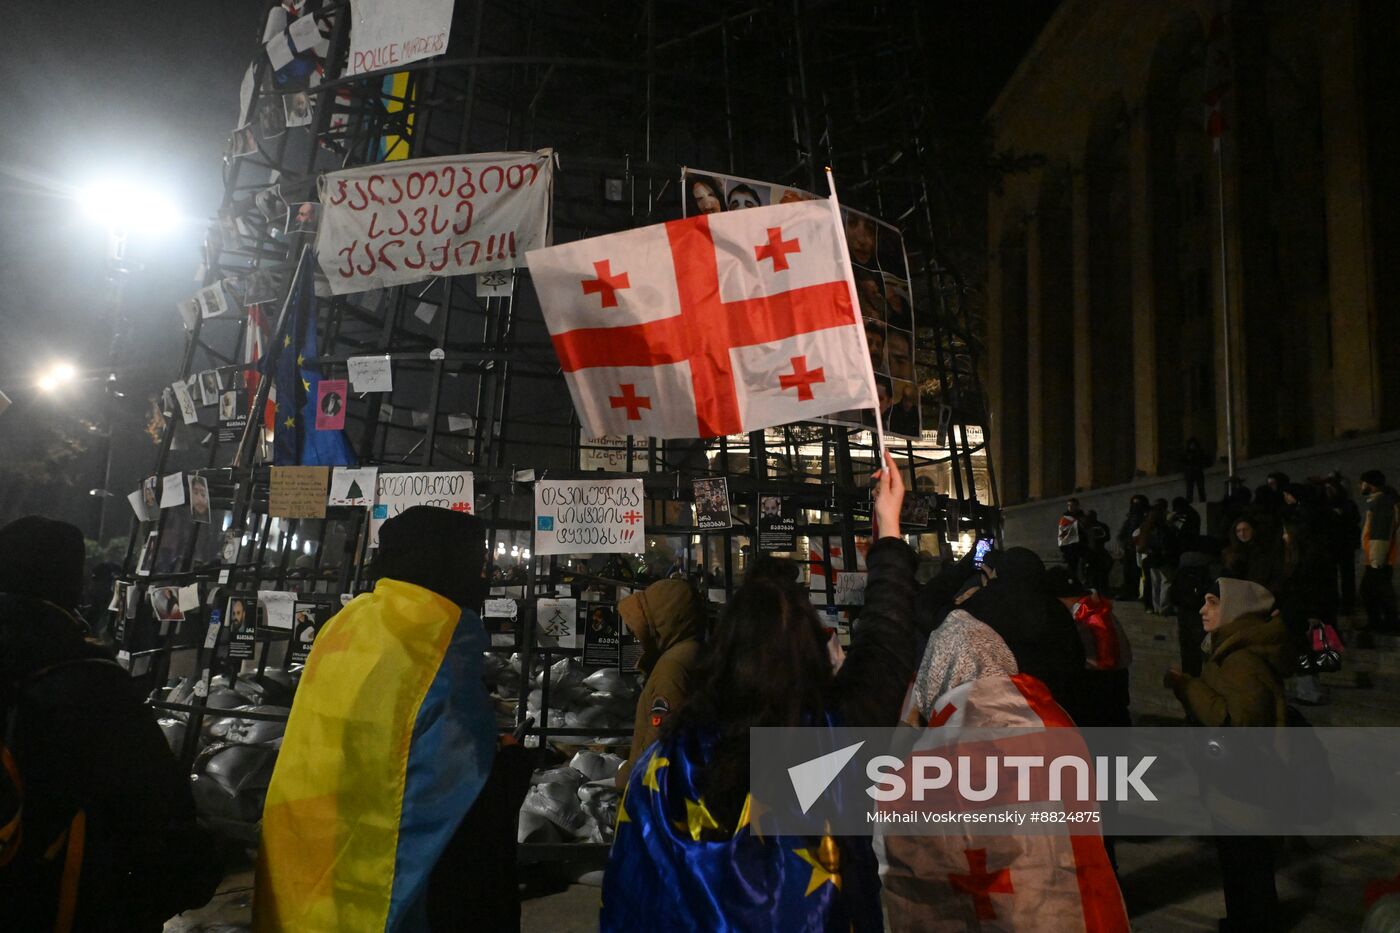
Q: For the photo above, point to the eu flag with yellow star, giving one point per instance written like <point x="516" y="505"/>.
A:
<point x="673" y="866"/>
<point x="295" y="439"/>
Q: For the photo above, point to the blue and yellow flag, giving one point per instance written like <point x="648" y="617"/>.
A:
<point x="674" y="867"/>
<point x="390" y="740"/>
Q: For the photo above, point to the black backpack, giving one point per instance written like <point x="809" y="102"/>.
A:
<point x="68" y="845"/>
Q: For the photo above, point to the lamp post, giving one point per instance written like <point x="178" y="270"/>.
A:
<point x="120" y="207"/>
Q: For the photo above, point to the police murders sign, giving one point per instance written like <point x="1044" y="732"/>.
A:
<point x="386" y="33"/>
<point x="400" y="222"/>
<point x="589" y="517"/>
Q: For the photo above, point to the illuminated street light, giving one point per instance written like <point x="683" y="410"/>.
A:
<point x="56" y="376"/>
<point x="123" y="206"/>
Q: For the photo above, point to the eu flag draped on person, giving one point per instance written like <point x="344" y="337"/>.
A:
<point x="296" y="439"/>
<point x="680" y="863"/>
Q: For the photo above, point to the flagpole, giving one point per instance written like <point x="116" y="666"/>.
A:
<point x="849" y="272"/>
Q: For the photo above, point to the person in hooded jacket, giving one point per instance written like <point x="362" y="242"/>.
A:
<point x="109" y="840"/>
<point x="1017" y="605"/>
<point x="668" y="618"/>
<point x="688" y="855"/>
<point x="1241" y="684"/>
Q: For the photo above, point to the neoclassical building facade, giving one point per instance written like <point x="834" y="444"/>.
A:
<point x="1106" y="288"/>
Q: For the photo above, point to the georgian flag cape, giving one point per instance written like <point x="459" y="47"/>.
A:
<point x="962" y="881"/>
<point x="708" y="326"/>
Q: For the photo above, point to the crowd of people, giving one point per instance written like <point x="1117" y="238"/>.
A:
<point x="1302" y="541"/>
<point x="391" y="697"/>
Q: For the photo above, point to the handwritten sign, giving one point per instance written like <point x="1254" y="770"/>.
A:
<point x="608" y="452"/>
<point x="386" y="33"/>
<point x="370" y="373"/>
<point x="596" y="516"/>
<point x="401" y="222"/>
<point x="277" y="608"/>
<point x="395" y="492"/>
<point x="298" y="491"/>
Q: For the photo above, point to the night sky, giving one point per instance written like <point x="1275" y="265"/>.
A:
<point x="150" y="90"/>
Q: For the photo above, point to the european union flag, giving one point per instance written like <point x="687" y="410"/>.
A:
<point x="674" y="867"/>
<point x="295" y="437"/>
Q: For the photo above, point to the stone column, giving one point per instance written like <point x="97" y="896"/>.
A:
<point x="1144" y="355"/>
<point x="1356" y="383"/>
<point x="1035" y="363"/>
<point x="1083" y="370"/>
<point x="995" y="402"/>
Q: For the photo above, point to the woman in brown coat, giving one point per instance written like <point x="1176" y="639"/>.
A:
<point x="1241" y="684"/>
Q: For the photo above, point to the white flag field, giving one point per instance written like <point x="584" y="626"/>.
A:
<point x="712" y="325"/>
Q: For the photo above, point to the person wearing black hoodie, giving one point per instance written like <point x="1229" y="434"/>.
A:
<point x="1017" y="605"/>
<point x="109" y="838"/>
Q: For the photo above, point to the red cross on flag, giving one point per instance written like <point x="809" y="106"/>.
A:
<point x="713" y="325"/>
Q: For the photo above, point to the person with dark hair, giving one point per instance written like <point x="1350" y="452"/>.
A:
<point x="668" y="619"/>
<point x="387" y="799"/>
<point x="1097" y="561"/>
<point x="1127" y="541"/>
<point x="1380" y="544"/>
<point x="1016" y="603"/>
<point x="1157" y="543"/>
<point x="1107" y="653"/>
<point x="1255" y="552"/>
<point x="1343" y="524"/>
<point x="686" y="854"/>
<point x="1069" y="534"/>
<point x="703" y="195"/>
<point x="742" y="196"/>
<point x="1193" y="465"/>
<point x="108" y="839"/>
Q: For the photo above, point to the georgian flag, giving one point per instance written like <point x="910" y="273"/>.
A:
<point x="953" y="881"/>
<point x="713" y="325"/>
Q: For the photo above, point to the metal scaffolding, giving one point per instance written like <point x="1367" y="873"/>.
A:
<point x="625" y="93"/>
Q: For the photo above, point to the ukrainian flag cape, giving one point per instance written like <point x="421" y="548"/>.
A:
<point x="389" y="742"/>
<point x="673" y="867"/>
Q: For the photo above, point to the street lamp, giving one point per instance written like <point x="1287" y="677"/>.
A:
<point x="56" y="376"/>
<point x="120" y="206"/>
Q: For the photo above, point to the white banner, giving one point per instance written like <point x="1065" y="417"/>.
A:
<point x="400" y="222"/>
<point x="395" y="492"/>
<point x="386" y="33"/>
<point x="591" y="516"/>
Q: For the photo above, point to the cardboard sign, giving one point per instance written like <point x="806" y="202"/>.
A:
<point x="393" y="223"/>
<point x="596" y="516"/>
<point x="330" y="405"/>
<point x="712" y="503"/>
<point x="388" y="34"/>
<point x="777" y="524"/>
<point x="370" y="373"/>
<point x="298" y="491"/>
<point x="353" y="486"/>
<point x="608" y="452"/>
<point x="556" y="622"/>
<point x="395" y="492"/>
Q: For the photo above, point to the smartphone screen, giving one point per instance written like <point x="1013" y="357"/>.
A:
<point x="979" y="553"/>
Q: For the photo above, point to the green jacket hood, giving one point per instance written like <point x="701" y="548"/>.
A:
<point x="1260" y="635"/>
<point x="670" y="612"/>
